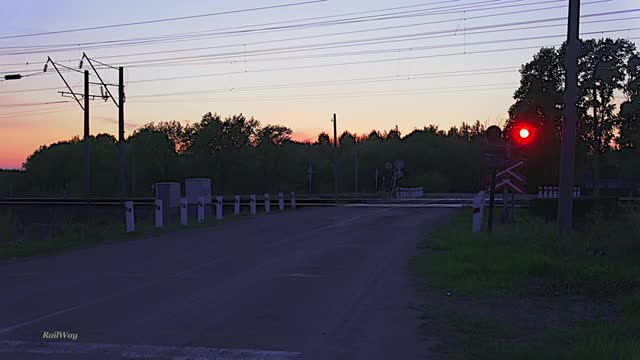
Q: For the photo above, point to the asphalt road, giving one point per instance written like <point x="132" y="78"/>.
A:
<point x="314" y="283"/>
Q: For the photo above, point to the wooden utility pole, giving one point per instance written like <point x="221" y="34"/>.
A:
<point x="596" y="145"/>
<point x="121" y="131"/>
<point x="87" y="160"/>
<point x="568" y="154"/>
<point x="335" y="154"/>
<point x="355" y="160"/>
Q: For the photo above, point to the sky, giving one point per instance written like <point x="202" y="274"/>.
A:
<point x="376" y="64"/>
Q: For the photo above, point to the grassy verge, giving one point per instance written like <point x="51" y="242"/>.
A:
<point x="73" y="236"/>
<point x="523" y="292"/>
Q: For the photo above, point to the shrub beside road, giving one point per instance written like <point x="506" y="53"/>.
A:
<point x="524" y="292"/>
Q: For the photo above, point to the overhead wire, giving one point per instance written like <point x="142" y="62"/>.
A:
<point x="405" y="77"/>
<point x="227" y="33"/>
<point x="154" y="21"/>
<point x="227" y="29"/>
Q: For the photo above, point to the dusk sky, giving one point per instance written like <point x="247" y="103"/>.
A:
<point x="409" y="64"/>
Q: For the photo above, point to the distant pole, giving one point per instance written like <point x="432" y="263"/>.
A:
<point x="505" y="191"/>
<point x="310" y="176"/>
<point x="133" y="173"/>
<point x="121" y="130"/>
<point x="356" y="167"/>
<point x="335" y="148"/>
<point x="87" y="161"/>
<point x="376" y="180"/>
<point x="567" y="156"/>
<point x="596" y="145"/>
<point x="492" y="200"/>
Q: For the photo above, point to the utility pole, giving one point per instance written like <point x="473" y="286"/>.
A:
<point x="505" y="191"/>
<point x="335" y="154"/>
<point x="87" y="159"/>
<point x="133" y="173"/>
<point x="310" y="176"/>
<point x="120" y="105"/>
<point x="121" y="130"/>
<point x="596" y="145"/>
<point x="85" y="108"/>
<point x="567" y="156"/>
<point x="355" y="156"/>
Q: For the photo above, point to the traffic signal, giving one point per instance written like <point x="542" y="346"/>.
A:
<point x="523" y="134"/>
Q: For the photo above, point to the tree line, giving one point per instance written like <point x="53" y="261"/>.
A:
<point x="241" y="155"/>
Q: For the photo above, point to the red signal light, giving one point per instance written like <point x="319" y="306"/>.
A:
<point x="523" y="134"/>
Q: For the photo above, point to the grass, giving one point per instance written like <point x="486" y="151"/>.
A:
<point x="74" y="236"/>
<point x="598" y="266"/>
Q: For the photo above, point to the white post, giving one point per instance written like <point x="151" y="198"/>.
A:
<point x="267" y="203"/>
<point x="201" y="209"/>
<point x="183" y="211"/>
<point x="281" y="201"/>
<point x="546" y="192"/>
<point x="236" y="205"/>
<point x="478" y="211"/>
<point x="158" y="213"/>
<point x="129" y="216"/>
<point x="219" y="207"/>
<point x="252" y="204"/>
<point x="293" y="200"/>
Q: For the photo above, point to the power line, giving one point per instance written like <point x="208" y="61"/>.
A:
<point x="359" y="62"/>
<point x="325" y="46"/>
<point x="36" y="104"/>
<point x="428" y="75"/>
<point x="447" y="33"/>
<point x="161" y="20"/>
<point x="228" y="33"/>
<point x="35" y="112"/>
<point x="225" y="31"/>
<point x="498" y="86"/>
<point x="326" y="65"/>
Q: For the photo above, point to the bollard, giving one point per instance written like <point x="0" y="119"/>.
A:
<point x="129" y="216"/>
<point x="267" y="203"/>
<point x="236" y="205"/>
<point x="539" y="192"/>
<point x="158" y="213"/>
<point x="478" y="211"/>
<point x="183" y="211"/>
<point x="293" y="200"/>
<point x="281" y="201"/>
<point x="252" y="204"/>
<point x="200" y="209"/>
<point x="219" y="207"/>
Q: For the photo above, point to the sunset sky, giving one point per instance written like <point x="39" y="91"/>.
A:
<point x="377" y="64"/>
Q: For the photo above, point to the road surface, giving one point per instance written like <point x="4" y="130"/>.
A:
<point x="314" y="283"/>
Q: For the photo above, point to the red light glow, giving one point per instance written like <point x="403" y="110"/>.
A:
<point x="524" y="133"/>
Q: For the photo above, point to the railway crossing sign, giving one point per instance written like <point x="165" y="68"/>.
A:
<point x="510" y="178"/>
<point x="510" y="171"/>
<point x="510" y="184"/>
